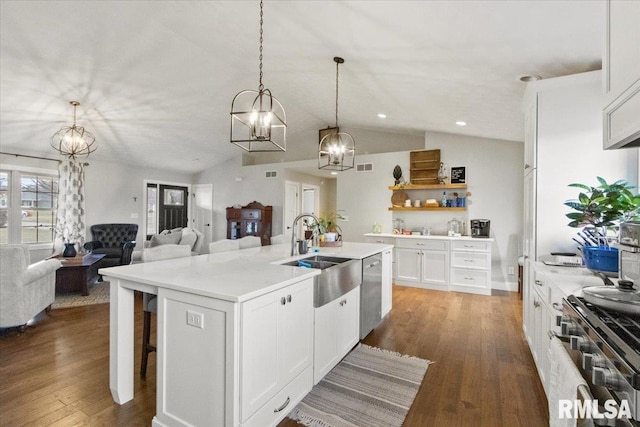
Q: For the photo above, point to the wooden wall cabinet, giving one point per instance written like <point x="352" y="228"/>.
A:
<point x="253" y="219"/>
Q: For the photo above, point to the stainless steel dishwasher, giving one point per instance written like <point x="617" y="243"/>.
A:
<point x="371" y="294"/>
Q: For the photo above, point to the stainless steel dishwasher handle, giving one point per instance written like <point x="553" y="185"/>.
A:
<point x="373" y="264"/>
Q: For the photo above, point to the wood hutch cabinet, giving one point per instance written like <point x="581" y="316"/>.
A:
<point x="251" y="220"/>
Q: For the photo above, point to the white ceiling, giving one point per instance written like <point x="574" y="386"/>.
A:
<point x="156" y="78"/>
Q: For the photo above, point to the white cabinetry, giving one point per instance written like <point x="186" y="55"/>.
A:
<point x="387" y="241"/>
<point x="387" y="281"/>
<point x="542" y="307"/>
<point x="276" y="347"/>
<point x="422" y="263"/>
<point x="621" y="66"/>
<point x="470" y="267"/>
<point x="337" y="330"/>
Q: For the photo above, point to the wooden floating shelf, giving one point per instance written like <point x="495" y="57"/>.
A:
<point x="402" y="208"/>
<point x="428" y="187"/>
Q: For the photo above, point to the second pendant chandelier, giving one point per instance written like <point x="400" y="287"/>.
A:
<point x="337" y="151"/>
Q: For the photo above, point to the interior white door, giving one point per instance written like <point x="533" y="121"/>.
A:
<point x="203" y="211"/>
<point x="291" y="205"/>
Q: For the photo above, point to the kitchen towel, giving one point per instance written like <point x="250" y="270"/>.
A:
<point x="564" y="379"/>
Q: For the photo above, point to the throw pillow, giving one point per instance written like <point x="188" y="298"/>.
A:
<point x="189" y="237"/>
<point x="165" y="239"/>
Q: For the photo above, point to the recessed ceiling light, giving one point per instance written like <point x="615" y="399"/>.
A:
<point x="531" y="78"/>
<point x="382" y="116"/>
<point x="334" y="173"/>
<point x="461" y="123"/>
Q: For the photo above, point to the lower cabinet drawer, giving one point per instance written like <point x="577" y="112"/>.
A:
<point x="472" y="278"/>
<point x="416" y="243"/>
<point x="283" y="402"/>
<point x="473" y="260"/>
<point x="471" y="245"/>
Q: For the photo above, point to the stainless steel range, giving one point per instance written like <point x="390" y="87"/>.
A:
<point x="604" y="342"/>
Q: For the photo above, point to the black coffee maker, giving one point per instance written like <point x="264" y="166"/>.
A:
<point x="480" y="228"/>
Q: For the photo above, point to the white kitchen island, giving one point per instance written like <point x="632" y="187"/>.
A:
<point x="234" y="335"/>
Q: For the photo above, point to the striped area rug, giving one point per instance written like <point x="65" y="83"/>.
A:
<point x="370" y="387"/>
<point x="98" y="294"/>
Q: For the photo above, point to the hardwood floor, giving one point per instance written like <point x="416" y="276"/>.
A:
<point x="57" y="372"/>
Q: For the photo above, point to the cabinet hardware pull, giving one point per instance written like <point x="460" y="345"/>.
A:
<point x="288" y="298"/>
<point x="468" y="278"/>
<point x="468" y="246"/>
<point x="284" y="405"/>
<point x="419" y="244"/>
<point x="536" y="304"/>
<point x="538" y="282"/>
<point x="557" y="306"/>
<point x="283" y="301"/>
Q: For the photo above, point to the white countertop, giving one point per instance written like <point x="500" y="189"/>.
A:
<point x="570" y="280"/>
<point x="432" y="237"/>
<point x="237" y="275"/>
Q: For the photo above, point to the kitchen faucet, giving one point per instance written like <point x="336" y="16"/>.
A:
<point x="294" y="227"/>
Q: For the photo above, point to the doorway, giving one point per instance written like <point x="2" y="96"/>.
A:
<point x="167" y="207"/>
<point x="203" y="210"/>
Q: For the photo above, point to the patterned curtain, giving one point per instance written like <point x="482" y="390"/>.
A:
<point x="70" y="219"/>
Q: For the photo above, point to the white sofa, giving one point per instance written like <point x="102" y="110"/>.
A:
<point x="25" y="289"/>
<point x="178" y="236"/>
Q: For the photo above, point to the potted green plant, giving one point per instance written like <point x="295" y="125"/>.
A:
<point x="328" y="224"/>
<point x="599" y="210"/>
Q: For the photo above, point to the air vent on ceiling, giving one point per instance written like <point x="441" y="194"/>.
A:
<point x="364" y="167"/>
<point x="271" y="174"/>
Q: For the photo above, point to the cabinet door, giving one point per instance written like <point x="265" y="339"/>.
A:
<point x="296" y="330"/>
<point x="276" y="343"/>
<point x="325" y="346"/>
<point x="349" y="327"/>
<point x="259" y="351"/>
<point x="408" y="264"/>
<point x="435" y="267"/>
<point x="530" y="135"/>
<point x="529" y="216"/>
<point x="387" y="291"/>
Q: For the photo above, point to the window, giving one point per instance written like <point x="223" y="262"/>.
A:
<point x="152" y="221"/>
<point x="28" y="203"/>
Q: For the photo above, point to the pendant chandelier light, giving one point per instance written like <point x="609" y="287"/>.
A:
<point x="73" y="141"/>
<point x="337" y="150"/>
<point x="258" y="120"/>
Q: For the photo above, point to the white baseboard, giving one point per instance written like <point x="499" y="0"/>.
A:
<point x="505" y="286"/>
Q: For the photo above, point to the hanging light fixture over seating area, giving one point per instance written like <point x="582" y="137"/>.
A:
<point x="73" y="141"/>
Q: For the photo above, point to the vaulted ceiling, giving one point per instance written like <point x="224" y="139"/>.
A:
<point x="156" y="78"/>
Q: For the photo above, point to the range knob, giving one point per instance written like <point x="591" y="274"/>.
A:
<point x="569" y="328"/>
<point x="593" y="360"/>
<point x="605" y="377"/>
<point x="581" y="344"/>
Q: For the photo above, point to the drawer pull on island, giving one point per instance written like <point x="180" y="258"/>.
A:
<point x="284" y="405"/>
<point x="288" y="298"/>
<point x="283" y="301"/>
<point x="539" y="283"/>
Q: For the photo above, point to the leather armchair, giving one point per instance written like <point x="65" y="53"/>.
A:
<point x="25" y="289"/>
<point x="116" y="241"/>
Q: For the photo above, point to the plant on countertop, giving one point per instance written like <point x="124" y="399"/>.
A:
<point x="603" y="207"/>
<point x="328" y="224"/>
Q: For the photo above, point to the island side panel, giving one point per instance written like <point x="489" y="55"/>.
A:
<point x="120" y="341"/>
<point x="197" y="367"/>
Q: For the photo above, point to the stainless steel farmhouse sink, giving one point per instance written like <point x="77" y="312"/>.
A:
<point x="338" y="276"/>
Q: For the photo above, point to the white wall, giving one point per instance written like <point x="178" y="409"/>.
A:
<point x="110" y="190"/>
<point x="570" y="151"/>
<point x="494" y="177"/>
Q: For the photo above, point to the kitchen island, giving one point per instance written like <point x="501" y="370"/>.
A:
<point x="235" y="333"/>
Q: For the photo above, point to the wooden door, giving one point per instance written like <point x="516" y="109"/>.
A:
<point x="173" y="206"/>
